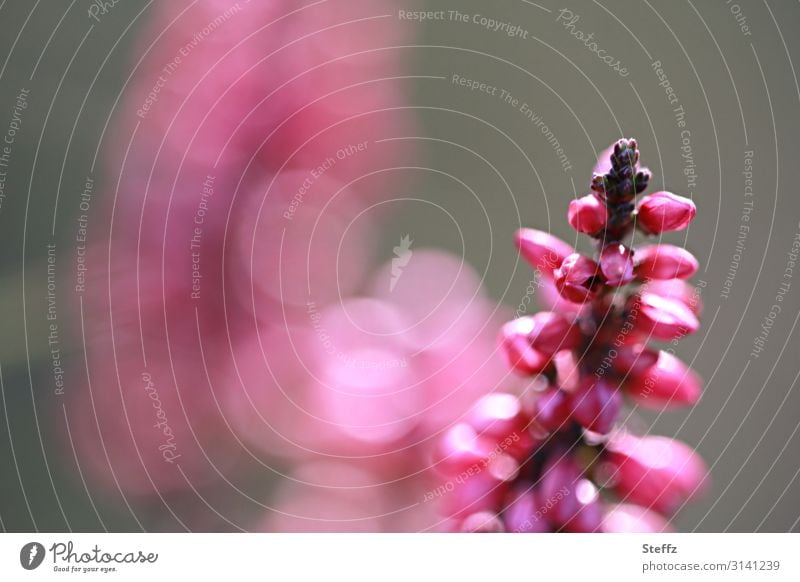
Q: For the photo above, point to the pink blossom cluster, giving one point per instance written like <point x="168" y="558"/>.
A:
<point x="556" y="456"/>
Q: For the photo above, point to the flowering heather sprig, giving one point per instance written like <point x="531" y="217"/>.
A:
<point x="554" y="458"/>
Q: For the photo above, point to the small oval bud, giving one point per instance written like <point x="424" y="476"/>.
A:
<point x="521" y="356"/>
<point x="587" y="214"/>
<point x="668" y="383"/>
<point x="664" y="262"/>
<point x="656" y="472"/>
<point x="552" y="333"/>
<point x="665" y="212"/>
<point x="576" y="277"/>
<point x="544" y="252"/>
<point x="616" y="264"/>
<point x="551" y="409"/>
<point x="595" y="404"/>
<point x="664" y="318"/>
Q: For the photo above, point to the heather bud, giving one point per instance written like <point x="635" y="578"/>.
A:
<point x="664" y="262"/>
<point x="470" y="491"/>
<point x="664" y="318"/>
<point x="542" y="251"/>
<point x="616" y="264"/>
<point x="664" y="212"/>
<point x="633" y="358"/>
<point x="552" y="332"/>
<point x="460" y="448"/>
<point x="551" y="409"/>
<point x="656" y="472"/>
<point x="667" y="383"/>
<point x="595" y="404"/>
<point x="587" y="215"/>
<point x="576" y="278"/>
<point x="575" y="500"/>
<point x="521" y="356"/>
<point x="524" y="512"/>
<point x="677" y="289"/>
<point x="497" y="414"/>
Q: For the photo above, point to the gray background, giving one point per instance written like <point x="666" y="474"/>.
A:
<point x="739" y="91"/>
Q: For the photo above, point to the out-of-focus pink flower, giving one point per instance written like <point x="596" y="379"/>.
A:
<point x="239" y="234"/>
<point x="290" y="253"/>
<point x="665" y="212"/>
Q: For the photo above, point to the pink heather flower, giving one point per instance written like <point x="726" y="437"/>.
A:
<point x="544" y="252"/>
<point x="664" y="262"/>
<point x="576" y="278"/>
<point x="656" y="472"/>
<point x="666" y="383"/>
<point x="664" y="212"/>
<point x="587" y="214"/>
<point x="616" y="264"/>
<point x="533" y="459"/>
